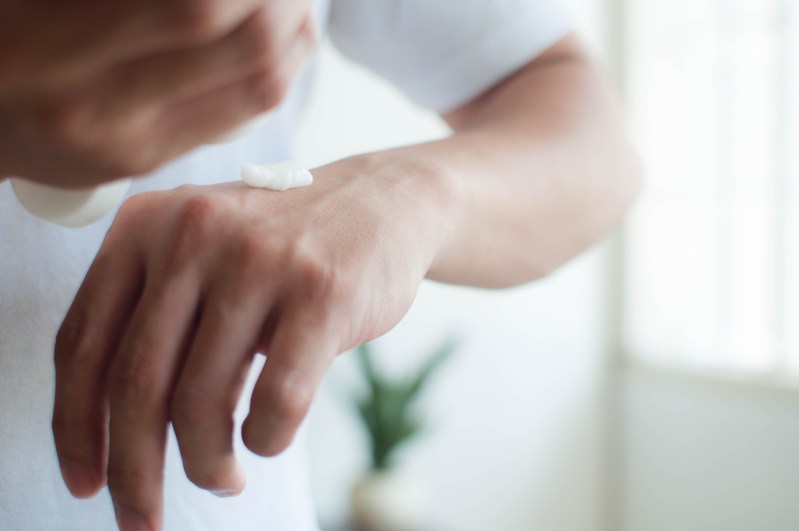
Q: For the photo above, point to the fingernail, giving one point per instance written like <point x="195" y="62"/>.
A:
<point x="239" y="481"/>
<point x="225" y="493"/>
<point x="79" y="480"/>
<point x="128" y="520"/>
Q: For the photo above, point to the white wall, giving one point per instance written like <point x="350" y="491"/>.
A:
<point x="517" y="437"/>
<point x="694" y="454"/>
<point x="704" y="456"/>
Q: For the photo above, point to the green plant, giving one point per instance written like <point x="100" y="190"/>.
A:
<point x="386" y="409"/>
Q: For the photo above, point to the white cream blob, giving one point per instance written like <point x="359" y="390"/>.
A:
<point x="70" y="208"/>
<point x="281" y="176"/>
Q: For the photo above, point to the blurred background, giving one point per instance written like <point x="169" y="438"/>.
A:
<point x="652" y="384"/>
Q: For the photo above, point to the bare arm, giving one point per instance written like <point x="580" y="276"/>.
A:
<point x="191" y="283"/>
<point x="538" y="169"/>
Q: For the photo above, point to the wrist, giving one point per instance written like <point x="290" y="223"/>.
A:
<point x="428" y="191"/>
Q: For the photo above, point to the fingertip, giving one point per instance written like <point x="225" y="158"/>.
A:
<point x="261" y="440"/>
<point x="129" y="520"/>
<point x="241" y="478"/>
<point x="80" y="480"/>
<point x="222" y="479"/>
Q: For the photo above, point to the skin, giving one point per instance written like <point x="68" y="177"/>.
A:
<point x="191" y="283"/>
<point x="91" y="91"/>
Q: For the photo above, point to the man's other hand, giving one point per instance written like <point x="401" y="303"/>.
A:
<point x="91" y="91"/>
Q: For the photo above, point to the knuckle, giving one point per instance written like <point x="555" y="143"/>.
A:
<point x="134" y="381"/>
<point x="196" y="222"/>
<point x="125" y="480"/>
<point x="189" y="409"/>
<point x="63" y="121"/>
<point x="131" y="208"/>
<point x="144" y="202"/>
<point x="103" y="142"/>
<point x="257" y="43"/>
<point x="315" y="277"/>
<point x="267" y="89"/>
<point x="292" y="399"/>
<point x="321" y="280"/>
<point x="187" y="188"/>
<point x="76" y="342"/>
<point x="199" y="213"/>
<point x="198" y="19"/>
<point x="132" y="215"/>
<point x="80" y="343"/>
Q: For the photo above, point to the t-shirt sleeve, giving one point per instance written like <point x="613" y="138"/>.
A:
<point x="444" y="53"/>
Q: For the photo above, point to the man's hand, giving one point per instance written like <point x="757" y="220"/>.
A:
<point x="196" y="281"/>
<point x="91" y="91"/>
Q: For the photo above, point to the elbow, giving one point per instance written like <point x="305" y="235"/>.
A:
<point x="592" y="220"/>
<point x="617" y="187"/>
<point x="617" y="184"/>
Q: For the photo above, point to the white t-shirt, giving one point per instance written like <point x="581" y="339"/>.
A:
<point x="440" y="53"/>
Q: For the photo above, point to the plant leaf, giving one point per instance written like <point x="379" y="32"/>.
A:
<point x="364" y="355"/>
<point x="436" y="360"/>
<point x="385" y="409"/>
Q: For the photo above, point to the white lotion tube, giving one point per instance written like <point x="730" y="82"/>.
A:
<point x="70" y="208"/>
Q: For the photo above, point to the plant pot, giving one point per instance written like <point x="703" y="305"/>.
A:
<point x="388" y="501"/>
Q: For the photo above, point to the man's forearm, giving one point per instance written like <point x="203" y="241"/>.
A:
<point x="537" y="170"/>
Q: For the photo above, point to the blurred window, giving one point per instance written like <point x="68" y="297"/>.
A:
<point x="712" y="254"/>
